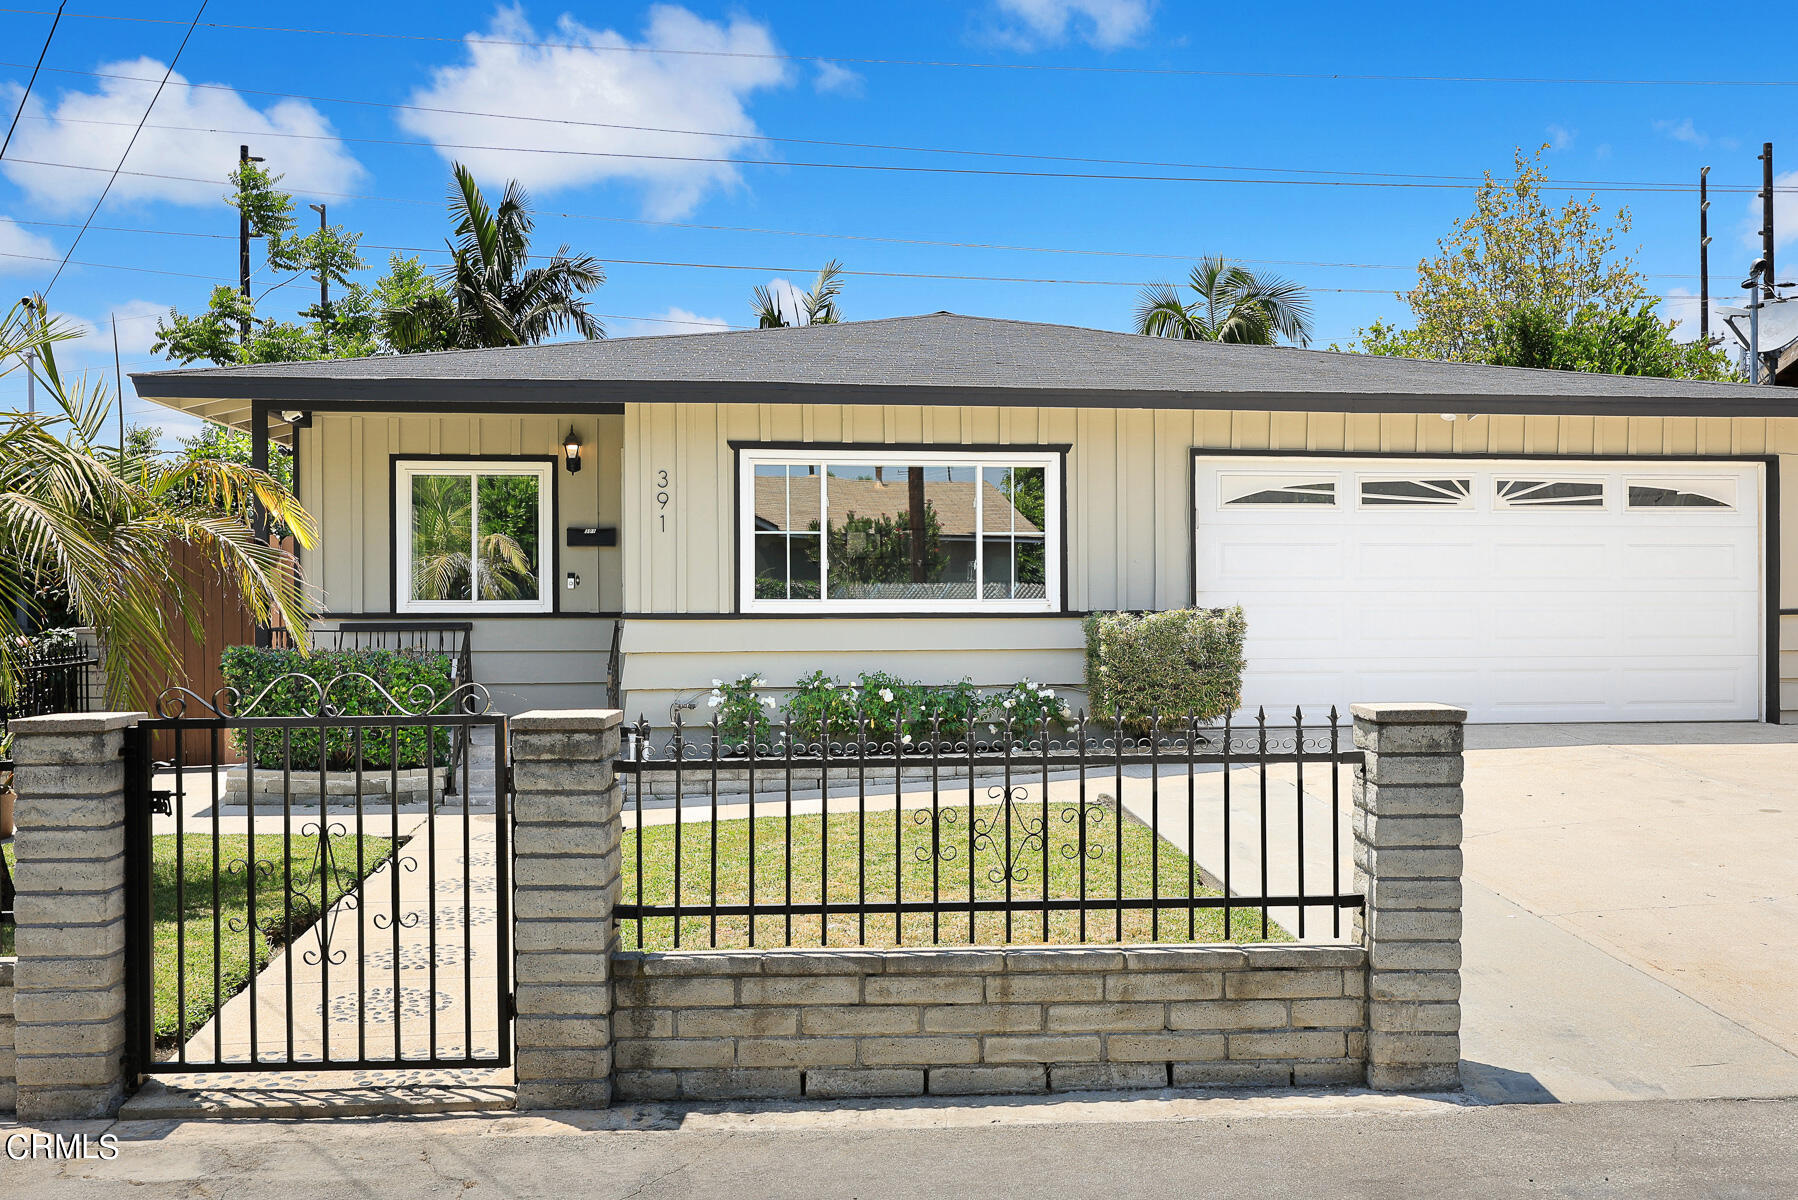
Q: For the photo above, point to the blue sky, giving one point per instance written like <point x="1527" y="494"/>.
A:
<point x="1134" y="96"/>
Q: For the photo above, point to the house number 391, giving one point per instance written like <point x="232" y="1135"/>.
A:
<point x="662" y="501"/>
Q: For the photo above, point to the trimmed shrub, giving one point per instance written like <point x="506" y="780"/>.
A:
<point x="1182" y="664"/>
<point x="251" y="669"/>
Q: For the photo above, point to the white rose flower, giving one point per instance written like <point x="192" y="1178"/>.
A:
<point x="712" y="703"/>
<point x="906" y="740"/>
<point x="1008" y="702"/>
<point x="1047" y="693"/>
<point x="759" y="682"/>
<point x="717" y="683"/>
<point x="886" y="694"/>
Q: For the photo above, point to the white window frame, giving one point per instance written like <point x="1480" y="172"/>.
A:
<point x="405" y="470"/>
<point x="748" y="459"/>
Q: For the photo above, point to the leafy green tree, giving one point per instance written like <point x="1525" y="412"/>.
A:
<point x="1520" y="282"/>
<point x="816" y="307"/>
<point x="492" y="296"/>
<point x="1231" y="304"/>
<point x="351" y="327"/>
<point x="1627" y="342"/>
<point x="100" y="523"/>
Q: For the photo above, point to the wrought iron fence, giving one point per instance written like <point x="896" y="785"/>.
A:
<point x="319" y="905"/>
<point x="911" y="833"/>
<point x="49" y="683"/>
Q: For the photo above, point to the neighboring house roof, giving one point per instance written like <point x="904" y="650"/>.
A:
<point x="776" y="507"/>
<point x="938" y="359"/>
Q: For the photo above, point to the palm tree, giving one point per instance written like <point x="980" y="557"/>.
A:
<point x="99" y="523"/>
<point x="816" y="307"/>
<point x="494" y="296"/>
<point x="1234" y="305"/>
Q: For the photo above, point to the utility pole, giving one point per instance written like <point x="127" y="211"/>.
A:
<point x="324" y="285"/>
<point x="1704" y="256"/>
<point x="244" y="158"/>
<point x="1769" y="272"/>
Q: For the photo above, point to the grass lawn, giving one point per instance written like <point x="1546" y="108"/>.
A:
<point x="185" y="953"/>
<point x="851" y="852"/>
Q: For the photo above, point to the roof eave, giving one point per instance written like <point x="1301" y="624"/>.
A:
<point x="192" y="393"/>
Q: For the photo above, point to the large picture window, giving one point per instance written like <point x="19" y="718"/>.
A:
<point x="900" y="530"/>
<point x="474" y="536"/>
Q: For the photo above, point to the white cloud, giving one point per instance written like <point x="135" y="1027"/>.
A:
<point x="674" y="320"/>
<point x="1106" y="24"/>
<point x="189" y="151"/>
<point x="1562" y="137"/>
<point x="1681" y="305"/>
<point x="834" y="77"/>
<point x="595" y="76"/>
<point x="16" y="240"/>
<point x="1683" y="131"/>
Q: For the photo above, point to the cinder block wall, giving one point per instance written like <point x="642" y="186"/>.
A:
<point x="9" y="1092"/>
<point x="829" y="1024"/>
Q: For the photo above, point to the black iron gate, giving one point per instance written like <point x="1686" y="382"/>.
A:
<point x="341" y="900"/>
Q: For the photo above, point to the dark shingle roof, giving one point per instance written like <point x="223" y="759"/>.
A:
<point x="944" y="358"/>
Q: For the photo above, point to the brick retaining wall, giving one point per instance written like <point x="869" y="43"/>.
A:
<point x="790" y="1023"/>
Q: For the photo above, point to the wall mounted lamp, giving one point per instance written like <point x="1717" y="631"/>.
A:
<point x="571" y="451"/>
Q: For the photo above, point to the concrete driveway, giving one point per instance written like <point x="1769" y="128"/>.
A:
<point x="1632" y="911"/>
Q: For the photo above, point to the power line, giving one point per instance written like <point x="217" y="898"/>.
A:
<point x="29" y="82"/>
<point x="1355" y="178"/>
<point x="943" y="64"/>
<point x="575" y="122"/>
<point x="760" y="268"/>
<point x="110" y="179"/>
<point x="952" y="245"/>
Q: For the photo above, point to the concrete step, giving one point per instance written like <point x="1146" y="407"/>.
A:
<point x="297" y="1094"/>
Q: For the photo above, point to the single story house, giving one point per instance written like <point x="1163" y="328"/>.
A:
<point x="946" y="496"/>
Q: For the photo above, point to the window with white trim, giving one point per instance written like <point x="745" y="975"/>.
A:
<point x="474" y="536"/>
<point x="1545" y="492"/>
<point x="1257" y="490"/>
<point x="1414" y="490"/>
<point x="1661" y="492"/>
<point x="899" y="530"/>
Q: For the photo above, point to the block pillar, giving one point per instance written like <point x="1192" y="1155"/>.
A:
<point x="566" y="809"/>
<point x="1408" y="865"/>
<point x="69" y="981"/>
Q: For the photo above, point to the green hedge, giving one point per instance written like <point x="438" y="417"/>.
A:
<point x="250" y="669"/>
<point x="1182" y="664"/>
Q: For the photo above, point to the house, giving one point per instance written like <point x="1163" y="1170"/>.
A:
<point x="945" y="496"/>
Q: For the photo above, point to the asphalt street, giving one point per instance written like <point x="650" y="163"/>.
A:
<point x="1330" y="1147"/>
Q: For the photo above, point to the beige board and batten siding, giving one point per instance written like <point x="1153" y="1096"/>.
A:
<point x="525" y="661"/>
<point x="1129" y="521"/>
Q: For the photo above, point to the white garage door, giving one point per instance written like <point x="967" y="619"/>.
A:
<point x="1539" y="590"/>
